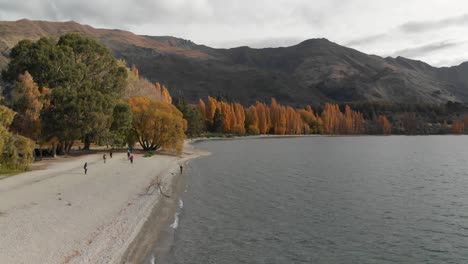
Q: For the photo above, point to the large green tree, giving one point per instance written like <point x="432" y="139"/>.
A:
<point x="121" y="124"/>
<point x="85" y="79"/>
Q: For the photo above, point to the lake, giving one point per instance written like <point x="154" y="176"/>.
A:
<point x="366" y="199"/>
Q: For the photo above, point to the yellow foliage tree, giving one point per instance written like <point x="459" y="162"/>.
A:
<point x="157" y="124"/>
<point x="26" y="101"/>
<point x="16" y="152"/>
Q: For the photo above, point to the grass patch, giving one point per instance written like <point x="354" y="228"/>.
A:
<point x="149" y="154"/>
<point x="8" y="172"/>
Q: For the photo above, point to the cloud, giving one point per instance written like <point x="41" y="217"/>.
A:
<point x="422" y="26"/>
<point x="378" y="27"/>
<point x="259" y="43"/>
<point x="422" y="50"/>
<point x="367" y="40"/>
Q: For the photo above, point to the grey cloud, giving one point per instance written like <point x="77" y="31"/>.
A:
<point x="378" y="27"/>
<point x="422" y="26"/>
<point x="259" y="43"/>
<point x="425" y="49"/>
<point x="366" y="40"/>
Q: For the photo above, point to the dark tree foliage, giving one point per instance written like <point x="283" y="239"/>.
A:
<point x="121" y="124"/>
<point x="218" y="120"/>
<point x="193" y="117"/>
<point x="85" y="79"/>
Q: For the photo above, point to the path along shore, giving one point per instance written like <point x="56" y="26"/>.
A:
<point x="61" y="215"/>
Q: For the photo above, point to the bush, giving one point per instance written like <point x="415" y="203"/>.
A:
<point x="253" y="130"/>
<point x="149" y="154"/>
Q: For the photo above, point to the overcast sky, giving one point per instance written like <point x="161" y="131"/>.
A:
<point x="435" y="31"/>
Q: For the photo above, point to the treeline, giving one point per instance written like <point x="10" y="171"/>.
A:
<point x="60" y="93"/>
<point x="219" y="116"/>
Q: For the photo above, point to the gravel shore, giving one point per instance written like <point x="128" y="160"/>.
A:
<point x="61" y="215"/>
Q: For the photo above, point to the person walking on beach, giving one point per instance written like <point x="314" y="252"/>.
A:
<point x="131" y="159"/>
<point x="104" y="158"/>
<point x="110" y="154"/>
<point x="85" y="167"/>
<point x="181" y="169"/>
<point x="128" y="153"/>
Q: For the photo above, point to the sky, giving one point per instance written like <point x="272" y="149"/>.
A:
<point x="434" y="31"/>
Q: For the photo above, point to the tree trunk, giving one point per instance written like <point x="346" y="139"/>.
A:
<point x="40" y="151"/>
<point x="54" y="150"/>
<point x="87" y="142"/>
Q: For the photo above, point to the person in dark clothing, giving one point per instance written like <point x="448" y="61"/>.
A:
<point x="128" y="154"/>
<point x="85" y="167"/>
<point x="110" y="154"/>
<point x="104" y="158"/>
<point x="181" y="169"/>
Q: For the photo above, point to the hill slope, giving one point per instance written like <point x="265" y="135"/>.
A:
<point x="313" y="71"/>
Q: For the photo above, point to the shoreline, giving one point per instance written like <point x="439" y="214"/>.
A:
<point x="61" y="215"/>
<point x="153" y="227"/>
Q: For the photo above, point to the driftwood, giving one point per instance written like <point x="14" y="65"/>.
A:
<point x="158" y="184"/>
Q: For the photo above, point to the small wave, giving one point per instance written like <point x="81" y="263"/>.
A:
<point x="181" y="204"/>
<point x="176" y="221"/>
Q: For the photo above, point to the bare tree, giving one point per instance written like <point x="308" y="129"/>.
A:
<point x="157" y="183"/>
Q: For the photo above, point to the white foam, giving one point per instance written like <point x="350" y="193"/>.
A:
<point x="181" y="204"/>
<point x="153" y="259"/>
<point x="176" y="221"/>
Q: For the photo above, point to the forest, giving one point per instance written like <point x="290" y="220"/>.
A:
<point x="60" y="95"/>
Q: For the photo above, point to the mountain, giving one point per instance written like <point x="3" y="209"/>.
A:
<point x="311" y="72"/>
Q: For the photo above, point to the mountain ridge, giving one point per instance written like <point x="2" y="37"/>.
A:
<point x="311" y="72"/>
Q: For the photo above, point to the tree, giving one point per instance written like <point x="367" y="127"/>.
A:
<point x="218" y="121"/>
<point x="251" y="121"/>
<point x="157" y="124"/>
<point x="193" y="117"/>
<point x="16" y="152"/>
<point x="122" y="118"/>
<point x="85" y="79"/>
<point x="25" y="99"/>
<point x="458" y="127"/>
<point x="384" y="126"/>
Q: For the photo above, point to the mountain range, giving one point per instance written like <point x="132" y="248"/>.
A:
<point x="311" y="72"/>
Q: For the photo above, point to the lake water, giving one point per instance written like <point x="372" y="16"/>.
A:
<point x="325" y="200"/>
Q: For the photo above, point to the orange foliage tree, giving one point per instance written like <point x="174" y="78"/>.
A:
<point x="384" y="126"/>
<point x="281" y="120"/>
<point x="458" y="127"/>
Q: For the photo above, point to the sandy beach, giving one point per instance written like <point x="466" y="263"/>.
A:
<point x="61" y="215"/>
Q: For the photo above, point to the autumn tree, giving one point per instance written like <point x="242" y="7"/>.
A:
<point x="264" y="120"/>
<point x="251" y="121"/>
<point x="202" y="109"/>
<point x="384" y="126"/>
<point x="157" y="124"/>
<point x="458" y="127"/>
<point x="278" y="117"/>
<point x="16" y="152"/>
<point x="25" y="100"/>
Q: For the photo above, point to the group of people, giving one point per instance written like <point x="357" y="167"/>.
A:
<point x="104" y="158"/>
